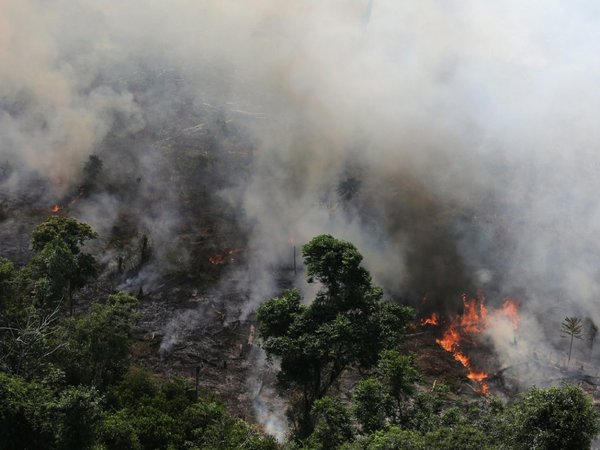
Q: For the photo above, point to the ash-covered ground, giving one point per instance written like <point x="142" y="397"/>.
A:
<point x="172" y="232"/>
<point x="169" y="209"/>
<point x="455" y="147"/>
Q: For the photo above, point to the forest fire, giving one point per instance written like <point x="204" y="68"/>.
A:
<point x="475" y="314"/>
<point x="225" y="257"/>
<point x="474" y="319"/>
<point x="477" y="376"/>
<point x="431" y="320"/>
<point x="55" y="208"/>
<point x="510" y="310"/>
<point x="450" y="342"/>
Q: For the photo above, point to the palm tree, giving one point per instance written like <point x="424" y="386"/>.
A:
<point x="572" y="327"/>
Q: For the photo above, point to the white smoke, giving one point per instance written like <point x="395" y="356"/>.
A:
<point x="471" y="125"/>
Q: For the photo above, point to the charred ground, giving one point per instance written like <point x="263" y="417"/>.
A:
<point x="167" y="199"/>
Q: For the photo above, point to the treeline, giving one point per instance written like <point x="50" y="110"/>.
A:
<point x="349" y="329"/>
<point x="66" y="381"/>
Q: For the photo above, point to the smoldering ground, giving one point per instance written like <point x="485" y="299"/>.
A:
<point x="455" y="143"/>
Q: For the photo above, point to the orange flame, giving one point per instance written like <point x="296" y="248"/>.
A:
<point x="55" y="208"/>
<point x="510" y="309"/>
<point x="226" y="257"/>
<point x="431" y="320"/>
<point x="463" y="359"/>
<point x="450" y="339"/>
<point x="477" y="376"/>
<point x="450" y="342"/>
<point x="474" y="316"/>
<point x="473" y="321"/>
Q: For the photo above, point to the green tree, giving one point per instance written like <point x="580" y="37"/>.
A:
<point x="155" y="428"/>
<point x="57" y="242"/>
<point x="571" y="327"/>
<point x="52" y="274"/>
<point x="491" y="417"/>
<point x="36" y="415"/>
<point x="370" y="405"/>
<point x="461" y="436"/>
<point x="396" y="438"/>
<point x="399" y="373"/>
<point x="557" y="418"/>
<point x="347" y="325"/>
<point x="117" y="433"/>
<point x="26" y="419"/>
<point x="425" y="411"/>
<point x="154" y="413"/>
<point x="31" y="299"/>
<point x="333" y="425"/>
<point x="7" y="273"/>
<point x="28" y="345"/>
<point x="79" y="412"/>
<point x="69" y="230"/>
<point x="98" y="343"/>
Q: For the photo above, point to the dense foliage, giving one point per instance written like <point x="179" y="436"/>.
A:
<point x="555" y="418"/>
<point x="347" y="328"/>
<point x="66" y="380"/>
<point x="542" y="419"/>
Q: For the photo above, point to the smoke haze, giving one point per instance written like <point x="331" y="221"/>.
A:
<point x="455" y="143"/>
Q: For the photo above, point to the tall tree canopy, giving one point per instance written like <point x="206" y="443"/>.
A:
<point x="346" y="326"/>
<point x="60" y="261"/>
<point x="557" y="418"/>
<point x="69" y="230"/>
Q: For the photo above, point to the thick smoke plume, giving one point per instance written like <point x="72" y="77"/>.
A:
<point x="455" y="143"/>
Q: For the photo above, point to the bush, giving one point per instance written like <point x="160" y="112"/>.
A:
<point x="25" y="414"/>
<point x="116" y="433"/>
<point x="397" y="439"/>
<point x="370" y="405"/>
<point x="558" y="418"/>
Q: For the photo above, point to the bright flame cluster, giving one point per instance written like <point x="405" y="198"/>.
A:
<point x="474" y="319"/>
<point x="431" y="320"/>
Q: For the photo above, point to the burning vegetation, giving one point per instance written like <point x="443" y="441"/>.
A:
<point x="206" y="142"/>
<point x="226" y="257"/>
<point x="463" y="331"/>
<point x="431" y="320"/>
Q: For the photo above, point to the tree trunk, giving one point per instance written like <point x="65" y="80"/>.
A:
<point x="70" y="293"/>
<point x="570" y="348"/>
